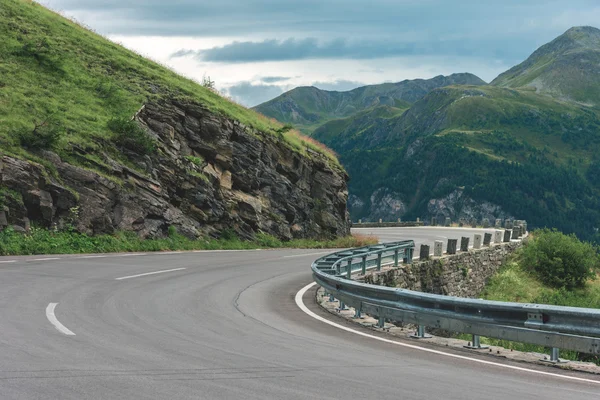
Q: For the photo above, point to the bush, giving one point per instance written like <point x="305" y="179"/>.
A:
<point x="44" y="136"/>
<point x="130" y="135"/>
<point x="560" y="260"/>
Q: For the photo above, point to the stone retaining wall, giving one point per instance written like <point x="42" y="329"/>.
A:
<point x="464" y="274"/>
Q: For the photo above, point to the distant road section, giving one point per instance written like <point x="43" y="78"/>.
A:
<point x="421" y="235"/>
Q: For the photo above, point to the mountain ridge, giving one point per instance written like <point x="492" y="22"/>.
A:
<point x="564" y="68"/>
<point x="307" y="107"/>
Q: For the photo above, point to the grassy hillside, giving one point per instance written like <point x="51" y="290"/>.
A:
<point x="351" y="128"/>
<point x="65" y="82"/>
<point x="307" y="108"/>
<point x="567" y="67"/>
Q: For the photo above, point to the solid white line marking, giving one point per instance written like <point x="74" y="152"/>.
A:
<point x="130" y="254"/>
<point x="9" y="261"/>
<point x="303" y="307"/>
<point x="148" y="273"/>
<point x="52" y="318"/>
<point x="46" y="259"/>
<point x="92" y="257"/>
<point x="306" y="255"/>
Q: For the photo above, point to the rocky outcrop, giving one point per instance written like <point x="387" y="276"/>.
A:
<point x="208" y="174"/>
<point x="457" y="206"/>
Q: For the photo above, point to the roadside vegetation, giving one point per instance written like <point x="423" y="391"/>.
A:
<point x="552" y="268"/>
<point x="44" y="241"/>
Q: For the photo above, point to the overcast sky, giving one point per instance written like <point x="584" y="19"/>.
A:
<point x="255" y="50"/>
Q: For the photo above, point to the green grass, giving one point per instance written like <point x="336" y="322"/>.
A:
<point x="53" y="69"/>
<point x="514" y="283"/>
<point x="43" y="241"/>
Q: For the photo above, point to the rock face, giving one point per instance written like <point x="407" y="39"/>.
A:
<point x="208" y="174"/>
<point x="457" y="206"/>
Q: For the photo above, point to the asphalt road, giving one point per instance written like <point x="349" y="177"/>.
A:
<point x="216" y="325"/>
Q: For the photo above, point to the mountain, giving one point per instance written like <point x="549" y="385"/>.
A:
<point x="306" y="108"/>
<point x="479" y="152"/>
<point x="568" y="68"/>
<point x="94" y="137"/>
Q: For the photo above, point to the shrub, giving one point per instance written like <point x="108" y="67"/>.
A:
<point x="560" y="260"/>
<point x="130" y="135"/>
<point x="44" y="136"/>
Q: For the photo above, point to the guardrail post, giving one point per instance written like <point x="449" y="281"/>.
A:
<point x="357" y="311"/>
<point x="476" y="344"/>
<point x="381" y="322"/>
<point x="420" y="333"/>
<point x="342" y="306"/>
<point x="379" y="262"/>
<point x="331" y="298"/>
<point x="554" y="355"/>
<point x="477" y="241"/>
<point x="451" y="248"/>
<point x="487" y="239"/>
<point x="554" y="358"/>
<point x="464" y="243"/>
<point x="396" y="258"/>
<point x="408" y="255"/>
<point x="424" y="253"/>
<point x="349" y="269"/>
<point x="363" y="265"/>
<point x="438" y="249"/>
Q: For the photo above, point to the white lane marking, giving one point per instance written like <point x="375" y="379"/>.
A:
<point x="130" y="254"/>
<point x="306" y="255"/>
<point x="148" y="273"/>
<point x="46" y="259"/>
<point x="9" y="261"/>
<point x="165" y="253"/>
<point x="52" y="318"/>
<point x="92" y="257"/>
<point x="300" y="303"/>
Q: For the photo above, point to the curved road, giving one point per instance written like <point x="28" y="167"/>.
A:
<point x="216" y="325"/>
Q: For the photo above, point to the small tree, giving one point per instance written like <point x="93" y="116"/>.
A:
<point x="45" y="134"/>
<point x="207" y="83"/>
<point x="560" y="260"/>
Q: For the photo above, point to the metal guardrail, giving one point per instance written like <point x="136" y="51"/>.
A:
<point x="552" y="326"/>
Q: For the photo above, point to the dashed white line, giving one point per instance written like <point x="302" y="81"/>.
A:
<point x="52" y="318"/>
<point x="46" y="259"/>
<point x="149" y="273"/>
<point x="300" y="303"/>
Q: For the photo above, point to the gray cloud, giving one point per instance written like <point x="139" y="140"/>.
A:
<point x="251" y="95"/>
<point x="311" y="48"/>
<point x="507" y="28"/>
<point x="274" y="79"/>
